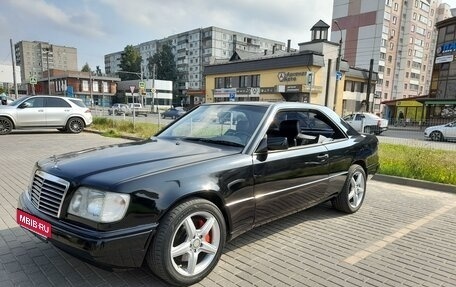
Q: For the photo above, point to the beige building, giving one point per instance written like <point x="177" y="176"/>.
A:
<point x="398" y="35"/>
<point x="307" y="75"/>
<point x="36" y="57"/>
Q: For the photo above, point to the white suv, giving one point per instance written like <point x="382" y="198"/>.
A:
<point x="65" y="114"/>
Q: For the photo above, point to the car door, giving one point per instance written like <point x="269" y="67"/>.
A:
<point x="290" y="179"/>
<point x="450" y="130"/>
<point x="30" y="113"/>
<point x="57" y="111"/>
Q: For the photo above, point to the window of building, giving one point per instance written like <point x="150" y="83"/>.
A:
<point x="387" y="83"/>
<point x="383" y="42"/>
<point x="390" y="59"/>
<point x="414" y="16"/>
<point x="255" y="80"/>
<point x="420" y="31"/>
<point x="407" y="74"/>
<point x="387" y="16"/>
<point x="412" y="28"/>
<point x="388" y="3"/>
<point x="405" y="86"/>
<point x="388" y="71"/>
<point x="391" y="46"/>
<point x="381" y="68"/>
<point x="394" y="19"/>
<point x="396" y="6"/>
<point x="385" y="95"/>
<point x="228" y="82"/>
<point x="424" y="6"/>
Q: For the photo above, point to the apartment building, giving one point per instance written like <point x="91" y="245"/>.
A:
<point x="400" y="37"/>
<point x="193" y="50"/>
<point x="36" y="57"/>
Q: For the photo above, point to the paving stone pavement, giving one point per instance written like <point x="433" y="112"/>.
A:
<point x="402" y="236"/>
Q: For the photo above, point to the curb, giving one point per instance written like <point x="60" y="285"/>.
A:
<point x="415" y="183"/>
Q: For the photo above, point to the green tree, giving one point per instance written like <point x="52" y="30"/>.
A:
<point x="85" y="68"/>
<point x="165" y="66"/>
<point x="130" y="62"/>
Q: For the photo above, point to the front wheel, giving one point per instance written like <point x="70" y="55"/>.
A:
<point x="436" y="136"/>
<point x="75" y="125"/>
<point x="188" y="243"/>
<point x="6" y="125"/>
<point x="352" y="195"/>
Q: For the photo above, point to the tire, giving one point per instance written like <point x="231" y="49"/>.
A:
<point x="436" y="136"/>
<point x="6" y="126"/>
<point x="183" y="232"/>
<point x="351" y="197"/>
<point x="75" y="125"/>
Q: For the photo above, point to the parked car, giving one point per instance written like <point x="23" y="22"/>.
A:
<point x="138" y="109"/>
<point x="65" y="114"/>
<point x="119" y="109"/>
<point x="441" y="132"/>
<point x="174" y="200"/>
<point x="367" y="123"/>
<point x="173" y="113"/>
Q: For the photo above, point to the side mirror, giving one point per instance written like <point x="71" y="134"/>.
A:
<point x="272" y="143"/>
<point x="24" y="105"/>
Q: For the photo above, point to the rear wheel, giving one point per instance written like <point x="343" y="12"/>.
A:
<point x="6" y="125"/>
<point x="353" y="192"/>
<point x="436" y="136"/>
<point x="75" y="125"/>
<point x="188" y="243"/>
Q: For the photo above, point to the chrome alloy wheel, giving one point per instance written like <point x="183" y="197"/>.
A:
<point x="356" y="189"/>
<point x="195" y="243"/>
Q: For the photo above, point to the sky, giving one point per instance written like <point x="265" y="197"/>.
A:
<point x="99" y="27"/>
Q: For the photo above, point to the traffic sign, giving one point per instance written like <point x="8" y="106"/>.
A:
<point x="232" y="97"/>
<point x="33" y="80"/>
<point x="153" y="90"/>
<point x="132" y="89"/>
<point x="142" y="85"/>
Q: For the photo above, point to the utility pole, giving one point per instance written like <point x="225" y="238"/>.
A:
<point x="14" y="69"/>
<point x="368" y="90"/>
<point x="338" y="73"/>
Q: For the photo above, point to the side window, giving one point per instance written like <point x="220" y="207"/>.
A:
<point x="359" y="117"/>
<point x="34" y="102"/>
<point x="56" y="103"/>
<point x="303" y="127"/>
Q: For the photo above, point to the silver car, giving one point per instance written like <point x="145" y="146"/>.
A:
<point x="65" y="114"/>
<point x="441" y="132"/>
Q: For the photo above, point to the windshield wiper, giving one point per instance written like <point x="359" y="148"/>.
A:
<point x="215" y="141"/>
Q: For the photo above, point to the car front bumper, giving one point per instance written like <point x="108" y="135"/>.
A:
<point x="124" y="248"/>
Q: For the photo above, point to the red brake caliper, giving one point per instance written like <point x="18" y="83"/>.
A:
<point x="198" y="224"/>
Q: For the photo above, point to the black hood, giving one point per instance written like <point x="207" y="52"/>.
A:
<point x="131" y="160"/>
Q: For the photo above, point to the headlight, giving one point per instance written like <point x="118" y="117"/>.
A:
<point x="99" y="206"/>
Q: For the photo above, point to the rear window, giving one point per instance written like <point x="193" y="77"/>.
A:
<point x="78" y="103"/>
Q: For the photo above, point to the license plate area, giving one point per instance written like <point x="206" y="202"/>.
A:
<point x="34" y="224"/>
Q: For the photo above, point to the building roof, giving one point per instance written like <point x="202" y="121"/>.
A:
<point x="266" y="62"/>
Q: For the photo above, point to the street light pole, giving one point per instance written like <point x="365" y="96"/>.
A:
<point x="339" y="56"/>
<point x="47" y="51"/>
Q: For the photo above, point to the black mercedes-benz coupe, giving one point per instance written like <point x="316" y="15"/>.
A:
<point x="174" y="200"/>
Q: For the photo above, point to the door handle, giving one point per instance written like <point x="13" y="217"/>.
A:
<point x="323" y="157"/>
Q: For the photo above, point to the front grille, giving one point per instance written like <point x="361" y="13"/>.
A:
<point x="47" y="193"/>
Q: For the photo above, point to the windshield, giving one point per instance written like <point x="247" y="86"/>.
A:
<point x="220" y="124"/>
